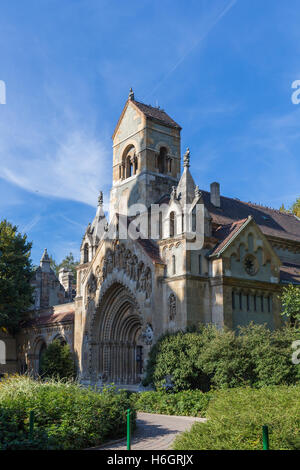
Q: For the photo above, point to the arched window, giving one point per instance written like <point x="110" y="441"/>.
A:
<point x="162" y="160"/>
<point x="172" y="224"/>
<point x="86" y="253"/>
<point x="173" y="264"/>
<point x="129" y="167"/>
<point x="129" y="163"/>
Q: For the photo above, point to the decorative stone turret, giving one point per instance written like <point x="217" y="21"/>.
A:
<point x="45" y="262"/>
<point x="186" y="186"/>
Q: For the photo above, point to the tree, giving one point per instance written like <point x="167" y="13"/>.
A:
<point x="57" y="361"/>
<point x="15" y="277"/>
<point x="68" y="262"/>
<point x="290" y="299"/>
<point x="296" y="207"/>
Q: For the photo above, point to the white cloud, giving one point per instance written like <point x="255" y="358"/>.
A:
<point x="74" y="166"/>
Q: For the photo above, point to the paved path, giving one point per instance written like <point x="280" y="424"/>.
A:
<point x="154" y="432"/>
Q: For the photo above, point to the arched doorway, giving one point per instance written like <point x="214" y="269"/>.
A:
<point x="42" y="350"/>
<point x="118" y="330"/>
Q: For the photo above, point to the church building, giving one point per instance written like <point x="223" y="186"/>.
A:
<point x="167" y="257"/>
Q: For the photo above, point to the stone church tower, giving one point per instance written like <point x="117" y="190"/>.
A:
<point x="146" y="156"/>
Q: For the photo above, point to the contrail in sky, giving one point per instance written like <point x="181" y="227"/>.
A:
<point x="203" y="36"/>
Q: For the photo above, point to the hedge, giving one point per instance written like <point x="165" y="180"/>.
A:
<point x="236" y="417"/>
<point x="186" y="403"/>
<point x="212" y="358"/>
<point x="67" y="416"/>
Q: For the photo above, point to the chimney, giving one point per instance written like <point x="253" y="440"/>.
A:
<point x="66" y="279"/>
<point x="215" y="194"/>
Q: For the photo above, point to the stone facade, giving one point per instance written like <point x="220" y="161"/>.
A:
<point x="228" y="270"/>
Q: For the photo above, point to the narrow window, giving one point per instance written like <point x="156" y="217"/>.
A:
<point x="160" y="225"/>
<point x="200" y="264"/>
<point x="174" y="264"/>
<point x="172" y="224"/>
<point x="241" y="301"/>
<point x="233" y="300"/>
<point x="262" y="303"/>
<point x="255" y="302"/>
<point x="86" y="253"/>
<point x="248" y="302"/>
<point x="269" y="304"/>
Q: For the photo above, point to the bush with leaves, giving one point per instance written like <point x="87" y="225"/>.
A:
<point x="185" y="403"/>
<point x="236" y="417"/>
<point x="212" y="358"/>
<point x="57" y="361"/>
<point x="290" y="299"/>
<point x="66" y="415"/>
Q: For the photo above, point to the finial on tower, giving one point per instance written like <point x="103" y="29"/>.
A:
<point x="198" y="193"/>
<point x="100" y="198"/>
<point x="45" y="256"/>
<point x="186" y="158"/>
<point x="131" y="94"/>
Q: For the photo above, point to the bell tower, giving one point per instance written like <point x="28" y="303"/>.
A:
<point x="146" y="156"/>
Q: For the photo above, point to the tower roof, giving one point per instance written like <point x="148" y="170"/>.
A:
<point x="152" y="113"/>
<point x="156" y="114"/>
<point x="45" y="256"/>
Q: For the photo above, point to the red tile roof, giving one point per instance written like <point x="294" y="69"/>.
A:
<point x="156" y="114"/>
<point x="66" y="317"/>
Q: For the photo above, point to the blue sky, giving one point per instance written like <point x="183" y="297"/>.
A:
<point x="222" y="69"/>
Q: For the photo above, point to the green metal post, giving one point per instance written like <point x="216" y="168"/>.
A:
<point x="128" y="429"/>
<point x="265" y="431"/>
<point x="31" y="424"/>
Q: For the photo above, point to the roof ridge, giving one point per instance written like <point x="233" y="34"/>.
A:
<point x="249" y="203"/>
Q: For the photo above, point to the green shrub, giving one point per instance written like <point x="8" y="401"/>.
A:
<point x="67" y="416"/>
<point x="177" y="356"/>
<point x="236" y="417"/>
<point x="211" y="358"/>
<point x="186" y="403"/>
<point x="57" y="361"/>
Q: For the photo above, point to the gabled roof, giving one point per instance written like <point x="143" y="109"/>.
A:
<point x="226" y="233"/>
<point x="150" y="112"/>
<point x="156" y="114"/>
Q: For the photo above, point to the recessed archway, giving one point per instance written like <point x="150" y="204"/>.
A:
<point x="117" y="345"/>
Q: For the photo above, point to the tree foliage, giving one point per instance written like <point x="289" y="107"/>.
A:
<point x="290" y="299"/>
<point x="15" y="276"/>
<point x="57" y="361"/>
<point x="294" y="209"/>
<point x="68" y="262"/>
